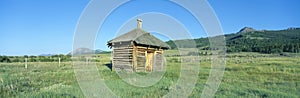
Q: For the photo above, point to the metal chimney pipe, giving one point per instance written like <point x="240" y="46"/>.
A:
<point x="139" y="23"/>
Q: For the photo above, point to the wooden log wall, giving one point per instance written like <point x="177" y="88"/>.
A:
<point x="127" y="56"/>
<point x="122" y="56"/>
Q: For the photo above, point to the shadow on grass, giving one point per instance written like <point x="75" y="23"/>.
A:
<point x="109" y="65"/>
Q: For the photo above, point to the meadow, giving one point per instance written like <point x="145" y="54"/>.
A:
<point x="247" y="74"/>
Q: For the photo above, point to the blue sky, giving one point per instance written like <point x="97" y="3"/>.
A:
<point x="33" y="27"/>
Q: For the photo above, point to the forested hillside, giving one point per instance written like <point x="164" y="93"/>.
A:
<point x="251" y="40"/>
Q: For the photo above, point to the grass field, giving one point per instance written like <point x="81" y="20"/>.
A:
<point x="246" y="75"/>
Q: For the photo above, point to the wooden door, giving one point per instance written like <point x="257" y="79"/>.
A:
<point x="149" y="61"/>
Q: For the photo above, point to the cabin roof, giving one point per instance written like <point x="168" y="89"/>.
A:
<point x="140" y="37"/>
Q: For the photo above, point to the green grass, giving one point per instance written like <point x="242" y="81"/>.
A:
<point x="38" y="80"/>
<point x="261" y="77"/>
<point x="246" y="75"/>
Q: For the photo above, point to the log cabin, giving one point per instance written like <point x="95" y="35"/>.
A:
<point x="137" y="51"/>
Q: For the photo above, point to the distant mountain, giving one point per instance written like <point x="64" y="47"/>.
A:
<point x="87" y="51"/>
<point x="246" y="29"/>
<point x="251" y="40"/>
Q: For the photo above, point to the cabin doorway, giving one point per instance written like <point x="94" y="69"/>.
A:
<point x="149" y="60"/>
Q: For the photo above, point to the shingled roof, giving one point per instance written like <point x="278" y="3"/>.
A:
<point x="140" y="37"/>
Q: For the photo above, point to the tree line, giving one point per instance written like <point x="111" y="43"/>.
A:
<point x="10" y="59"/>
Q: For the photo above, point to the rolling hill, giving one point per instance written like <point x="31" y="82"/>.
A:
<point x="251" y="40"/>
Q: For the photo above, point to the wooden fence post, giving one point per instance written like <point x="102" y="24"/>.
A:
<point x="59" y="62"/>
